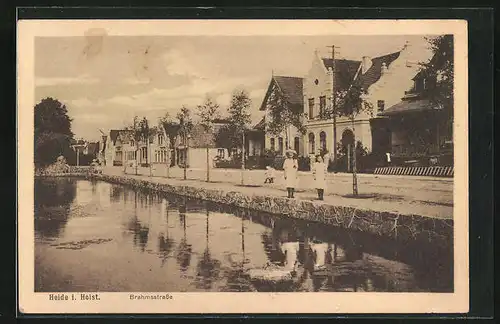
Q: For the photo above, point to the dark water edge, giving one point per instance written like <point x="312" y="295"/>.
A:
<point x="364" y="255"/>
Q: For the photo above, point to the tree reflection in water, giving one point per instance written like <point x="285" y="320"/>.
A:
<point x="184" y="250"/>
<point x="236" y="277"/>
<point x="140" y="231"/>
<point x="52" y="205"/>
<point x="208" y="268"/>
<point x="165" y="243"/>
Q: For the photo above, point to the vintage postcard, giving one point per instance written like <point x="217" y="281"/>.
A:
<point x="242" y="166"/>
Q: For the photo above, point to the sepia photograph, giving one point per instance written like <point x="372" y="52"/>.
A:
<point x="235" y="157"/>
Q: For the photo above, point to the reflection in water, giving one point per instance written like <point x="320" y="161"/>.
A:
<point x="165" y="243"/>
<point x="208" y="268"/>
<point x="52" y="205"/>
<point x="184" y="251"/>
<point x="229" y="246"/>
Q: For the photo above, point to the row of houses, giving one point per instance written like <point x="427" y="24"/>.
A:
<point x="402" y="121"/>
<point x="120" y="149"/>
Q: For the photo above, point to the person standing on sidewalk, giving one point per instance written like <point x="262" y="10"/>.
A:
<point x="319" y="170"/>
<point x="290" y="167"/>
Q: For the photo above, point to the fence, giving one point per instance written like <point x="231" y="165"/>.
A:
<point x="436" y="171"/>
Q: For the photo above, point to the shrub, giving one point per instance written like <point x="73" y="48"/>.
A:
<point x="304" y="163"/>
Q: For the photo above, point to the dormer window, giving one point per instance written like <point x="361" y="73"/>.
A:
<point x="132" y="143"/>
<point x="160" y="139"/>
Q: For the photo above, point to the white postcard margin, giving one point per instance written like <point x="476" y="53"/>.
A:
<point x="206" y="302"/>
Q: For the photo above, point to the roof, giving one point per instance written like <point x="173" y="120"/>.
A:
<point x="113" y="134"/>
<point x="93" y="148"/>
<point x="375" y="71"/>
<point x="408" y="106"/>
<point x="291" y="88"/>
<point x="200" y="138"/>
<point x="345" y="71"/>
<point x="261" y="124"/>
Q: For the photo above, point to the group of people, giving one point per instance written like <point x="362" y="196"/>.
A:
<point x="291" y="168"/>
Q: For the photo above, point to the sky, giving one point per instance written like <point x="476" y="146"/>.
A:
<point x="105" y="81"/>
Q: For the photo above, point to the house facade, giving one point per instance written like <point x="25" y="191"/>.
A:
<point x="193" y="149"/>
<point x="291" y="89"/>
<point x="120" y="148"/>
<point x="420" y="128"/>
<point x="384" y="78"/>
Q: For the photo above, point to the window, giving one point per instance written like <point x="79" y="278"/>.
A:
<point x="381" y="105"/>
<point x="296" y="145"/>
<point x="280" y="145"/>
<point x="322" y="141"/>
<point x="118" y="154"/>
<point x="311" y="143"/>
<point x="130" y="155"/>
<point x="160" y="139"/>
<point x="311" y="108"/>
<point x="273" y="145"/>
<point x="132" y="143"/>
<point x="322" y="106"/>
<point x="144" y="153"/>
<point x="221" y="153"/>
<point x="161" y="156"/>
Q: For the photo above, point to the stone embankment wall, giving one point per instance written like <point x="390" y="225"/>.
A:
<point x="65" y="171"/>
<point x="386" y="224"/>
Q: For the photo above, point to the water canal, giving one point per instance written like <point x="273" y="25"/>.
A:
<point x="95" y="236"/>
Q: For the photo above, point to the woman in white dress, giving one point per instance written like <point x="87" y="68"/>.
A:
<point x="319" y="171"/>
<point x="290" y="167"/>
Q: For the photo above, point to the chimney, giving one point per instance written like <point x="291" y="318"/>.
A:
<point x="366" y="64"/>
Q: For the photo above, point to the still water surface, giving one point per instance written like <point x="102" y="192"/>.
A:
<point x="96" y="236"/>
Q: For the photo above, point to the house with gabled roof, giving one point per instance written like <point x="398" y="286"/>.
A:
<point x="385" y="78"/>
<point x="328" y="77"/>
<point x="291" y="89"/>
<point x="119" y="147"/>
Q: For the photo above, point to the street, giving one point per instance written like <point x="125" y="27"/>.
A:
<point x="426" y="189"/>
<point x="404" y="194"/>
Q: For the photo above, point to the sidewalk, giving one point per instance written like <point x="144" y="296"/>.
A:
<point x="403" y="196"/>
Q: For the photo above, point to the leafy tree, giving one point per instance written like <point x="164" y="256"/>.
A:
<point x="185" y="122"/>
<point x="52" y="134"/>
<point x="208" y="112"/>
<point x="224" y="138"/>
<point x="440" y="69"/>
<point x="239" y="119"/>
<point x="281" y="115"/>
<point x="239" y="116"/>
<point x="352" y="103"/>
<point x="172" y="129"/>
<point x="186" y="126"/>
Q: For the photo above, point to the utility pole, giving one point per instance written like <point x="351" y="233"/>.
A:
<point x="243" y="156"/>
<point x="185" y="151"/>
